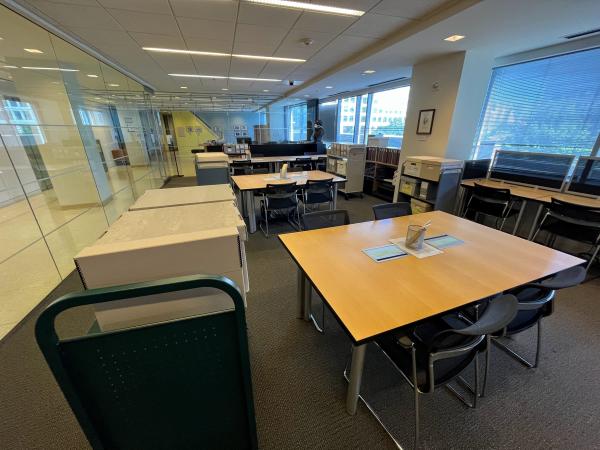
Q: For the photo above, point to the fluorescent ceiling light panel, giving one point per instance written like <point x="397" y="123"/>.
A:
<point x="454" y="38"/>
<point x="310" y="7"/>
<point x="114" y="85"/>
<point x="9" y="67"/>
<point x="91" y="75"/>
<point x="235" y="55"/>
<point x="50" y="68"/>
<point x="370" y="71"/>
<point x="33" y="50"/>
<point x="221" y="77"/>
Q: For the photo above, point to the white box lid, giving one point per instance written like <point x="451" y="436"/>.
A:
<point x="212" y="157"/>
<point x="161" y="198"/>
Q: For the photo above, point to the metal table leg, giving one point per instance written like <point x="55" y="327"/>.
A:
<point x="250" y="211"/>
<point x="300" y="298"/>
<point x="356" y="371"/>
<point x="306" y="300"/>
<point x="335" y="192"/>
<point x="520" y="216"/>
<point x="535" y="221"/>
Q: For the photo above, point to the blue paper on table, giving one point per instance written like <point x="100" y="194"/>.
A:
<point x="443" y="241"/>
<point x="384" y="253"/>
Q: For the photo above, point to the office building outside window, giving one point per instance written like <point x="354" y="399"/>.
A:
<point x="550" y="105"/>
<point x="388" y="114"/>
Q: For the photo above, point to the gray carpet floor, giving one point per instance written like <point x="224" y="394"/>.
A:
<point x="299" y="389"/>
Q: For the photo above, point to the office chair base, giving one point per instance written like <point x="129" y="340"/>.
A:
<point x="372" y="411"/>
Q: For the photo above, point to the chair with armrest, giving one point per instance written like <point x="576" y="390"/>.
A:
<point x="301" y="164"/>
<point x="317" y="192"/>
<point x="536" y="301"/>
<point x="281" y="198"/>
<point x="438" y="351"/>
<point x="492" y="202"/>
<point x="389" y="210"/>
<point x="182" y="383"/>
<point x="314" y="221"/>
<point x="576" y="222"/>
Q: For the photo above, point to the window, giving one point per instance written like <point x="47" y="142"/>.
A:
<point x="23" y="116"/>
<point x="388" y="114"/>
<point x="550" y="105"/>
<point x="346" y="125"/>
<point x="297" y="122"/>
<point x="328" y="115"/>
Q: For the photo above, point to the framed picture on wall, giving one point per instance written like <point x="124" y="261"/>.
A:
<point x="425" y="124"/>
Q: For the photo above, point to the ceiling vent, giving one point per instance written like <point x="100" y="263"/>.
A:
<point x="583" y="33"/>
<point x="388" y="81"/>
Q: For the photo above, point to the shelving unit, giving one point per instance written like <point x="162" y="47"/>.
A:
<point x="348" y="161"/>
<point x="429" y="183"/>
<point x="381" y="164"/>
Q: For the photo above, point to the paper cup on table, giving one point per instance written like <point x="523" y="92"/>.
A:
<point x="415" y="235"/>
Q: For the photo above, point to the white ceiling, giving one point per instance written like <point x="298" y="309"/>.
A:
<point x="119" y="28"/>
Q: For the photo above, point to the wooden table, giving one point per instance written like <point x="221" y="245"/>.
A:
<point x="248" y="184"/>
<point x="524" y="193"/>
<point x="370" y="298"/>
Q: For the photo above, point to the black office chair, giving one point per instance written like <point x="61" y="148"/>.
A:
<point x="575" y="222"/>
<point x="317" y="192"/>
<point x="438" y="351"/>
<point x="314" y="221"/>
<point x="182" y="383"/>
<point x="279" y="199"/>
<point x="301" y="164"/>
<point x="492" y="202"/>
<point x="536" y="301"/>
<point x="389" y="210"/>
<point x="241" y="167"/>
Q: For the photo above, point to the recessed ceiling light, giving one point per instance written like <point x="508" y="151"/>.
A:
<point x="50" y="68"/>
<point x="224" y="89"/>
<point x="265" y="90"/>
<point x="9" y="67"/>
<point x="114" y="85"/>
<point x="182" y="87"/>
<point x="306" y="95"/>
<point x="33" y="50"/>
<point x="454" y="38"/>
<point x="97" y="98"/>
<point x="221" y="77"/>
<point x="369" y="71"/>
<point x="328" y="87"/>
<point x="310" y="7"/>
<point x="235" y="55"/>
<point x="91" y="75"/>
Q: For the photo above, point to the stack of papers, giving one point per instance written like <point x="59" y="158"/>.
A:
<point x="425" y="252"/>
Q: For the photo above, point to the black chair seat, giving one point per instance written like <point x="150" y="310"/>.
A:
<point x="571" y="230"/>
<point x="494" y="209"/>
<point x="275" y="203"/>
<point x="317" y="197"/>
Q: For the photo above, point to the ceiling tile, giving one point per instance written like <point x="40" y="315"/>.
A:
<point x="174" y="63"/>
<point x="209" y="45"/>
<point x="75" y="2"/>
<point x="209" y="29"/>
<point x="311" y="21"/>
<point x="276" y="69"/>
<point x="361" y="5"/>
<point x="246" y="67"/>
<point x="376" y="25"/>
<point x="95" y="37"/>
<point x="143" y="22"/>
<point x="224" y="10"/>
<point x="253" y="14"/>
<point x="409" y="9"/>
<point x="158" y="40"/>
<point x="268" y="38"/>
<point x="148" y="6"/>
<point x="212" y="65"/>
<point x="91" y="17"/>
<point x="293" y="47"/>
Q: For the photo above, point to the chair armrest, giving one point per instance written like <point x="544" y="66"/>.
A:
<point x="405" y="342"/>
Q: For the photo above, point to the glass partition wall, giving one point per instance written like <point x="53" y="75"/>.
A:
<point x="79" y="141"/>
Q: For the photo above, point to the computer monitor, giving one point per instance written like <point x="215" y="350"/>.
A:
<point x="545" y="170"/>
<point x="586" y="177"/>
<point x="476" y="168"/>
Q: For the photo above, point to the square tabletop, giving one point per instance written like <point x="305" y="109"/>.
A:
<point x="191" y="195"/>
<point x="260" y="180"/>
<point x="371" y="298"/>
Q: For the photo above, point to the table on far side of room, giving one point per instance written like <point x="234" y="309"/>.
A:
<point x="247" y="185"/>
<point x="369" y="298"/>
<point x="275" y="161"/>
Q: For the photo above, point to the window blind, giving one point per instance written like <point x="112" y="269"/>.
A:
<point x="550" y="105"/>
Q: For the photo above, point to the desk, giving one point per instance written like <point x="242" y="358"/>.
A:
<point x="275" y="161"/>
<point x="248" y="184"/>
<point x="525" y="193"/>
<point x="369" y="298"/>
<point x="162" y="198"/>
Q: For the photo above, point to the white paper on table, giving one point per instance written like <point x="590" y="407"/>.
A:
<point x="289" y="176"/>
<point x="425" y="252"/>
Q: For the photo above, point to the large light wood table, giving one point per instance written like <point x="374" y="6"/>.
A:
<point x="248" y="184"/>
<point x="370" y="298"/>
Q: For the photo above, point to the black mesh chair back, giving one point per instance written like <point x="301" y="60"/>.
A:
<point x="281" y="196"/>
<point x="389" y="210"/>
<point x="318" y="191"/>
<point x="183" y="383"/>
<point x="241" y="167"/>
<point x="490" y="201"/>
<point x="301" y="164"/>
<point x="325" y="219"/>
<point x="577" y="222"/>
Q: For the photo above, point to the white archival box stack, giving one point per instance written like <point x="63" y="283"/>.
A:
<point x="161" y="243"/>
<point x="212" y="159"/>
<point x="162" y="198"/>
